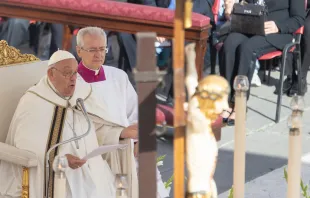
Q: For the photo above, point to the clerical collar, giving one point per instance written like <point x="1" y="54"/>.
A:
<point x="50" y="84"/>
<point x="95" y="70"/>
<point x="90" y="75"/>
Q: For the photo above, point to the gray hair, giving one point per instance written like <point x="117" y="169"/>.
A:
<point x="89" y="30"/>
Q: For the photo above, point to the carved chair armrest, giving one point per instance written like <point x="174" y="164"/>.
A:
<point x="17" y="156"/>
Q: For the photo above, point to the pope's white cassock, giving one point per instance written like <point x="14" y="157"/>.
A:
<point x="114" y="103"/>
<point x="41" y="120"/>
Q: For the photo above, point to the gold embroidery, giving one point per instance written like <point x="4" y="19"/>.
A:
<point x="25" y="183"/>
<point x="54" y="138"/>
<point x="10" y="55"/>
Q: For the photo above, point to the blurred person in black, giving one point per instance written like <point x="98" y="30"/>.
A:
<point x="128" y="45"/>
<point x="305" y="49"/>
<point x="14" y="31"/>
<point x="240" y="51"/>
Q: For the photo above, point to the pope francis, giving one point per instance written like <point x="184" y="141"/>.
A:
<point x="46" y="115"/>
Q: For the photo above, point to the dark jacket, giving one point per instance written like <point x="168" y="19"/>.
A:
<point x="289" y="15"/>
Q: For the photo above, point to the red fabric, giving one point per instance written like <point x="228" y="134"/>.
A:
<point x="114" y="8"/>
<point x="217" y="124"/>
<point x="270" y="55"/>
<point x="2" y="20"/>
<point x="160" y="117"/>
<point x="75" y="32"/>
<point x="215" y="9"/>
<point x="300" y="30"/>
<point x="169" y="113"/>
<point x="89" y="75"/>
<point x="274" y="54"/>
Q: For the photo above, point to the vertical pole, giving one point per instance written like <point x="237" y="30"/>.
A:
<point x="295" y="147"/>
<point x="145" y="76"/>
<point x="294" y="163"/>
<point x="241" y="86"/>
<point x="179" y="99"/>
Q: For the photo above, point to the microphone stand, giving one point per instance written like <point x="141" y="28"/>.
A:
<point x="47" y="156"/>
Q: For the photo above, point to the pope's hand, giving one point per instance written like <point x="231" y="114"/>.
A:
<point x="130" y="132"/>
<point x="75" y="162"/>
<point x="271" y="27"/>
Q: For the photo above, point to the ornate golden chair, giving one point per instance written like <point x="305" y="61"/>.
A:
<point x="18" y="72"/>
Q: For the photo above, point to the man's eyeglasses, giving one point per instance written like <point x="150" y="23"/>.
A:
<point x="67" y="75"/>
<point x="93" y="51"/>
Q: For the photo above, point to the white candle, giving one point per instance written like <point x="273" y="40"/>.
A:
<point x="239" y="152"/>
<point x="121" y="193"/>
<point x="60" y="186"/>
<point x="120" y="196"/>
<point x="241" y="86"/>
<point x="294" y="166"/>
<point x="295" y="148"/>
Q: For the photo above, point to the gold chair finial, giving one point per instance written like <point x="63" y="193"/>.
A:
<point x="10" y="55"/>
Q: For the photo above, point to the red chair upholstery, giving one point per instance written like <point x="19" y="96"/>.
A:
<point x="169" y="113"/>
<point x="293" y="47"/>
<point x="160" y="117"/>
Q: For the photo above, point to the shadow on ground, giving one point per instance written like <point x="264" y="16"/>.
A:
<point x="256" y="165"/>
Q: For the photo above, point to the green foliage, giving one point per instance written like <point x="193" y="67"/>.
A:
<point x="231" y="193"/>
<point x="304" y="188"/>
<point x="159" y="162"/>
<point x="161" y="158"/>
<point x="168" y="183"/>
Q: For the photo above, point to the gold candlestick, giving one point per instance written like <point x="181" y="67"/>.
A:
<point x="207" y="99"/>
<point x="294" y="158"/>
<point x="241" y="86"/>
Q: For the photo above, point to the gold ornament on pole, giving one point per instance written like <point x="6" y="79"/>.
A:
<point x="207" y="100"/>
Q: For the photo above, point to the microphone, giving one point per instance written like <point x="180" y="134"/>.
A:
<point x="81" y="104"/>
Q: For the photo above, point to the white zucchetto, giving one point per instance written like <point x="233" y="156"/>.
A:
<point x="59" y="56"/>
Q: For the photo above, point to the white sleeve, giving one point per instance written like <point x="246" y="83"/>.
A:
<point x="132" y="103"/>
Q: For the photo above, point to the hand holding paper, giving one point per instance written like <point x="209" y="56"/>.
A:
<point x="104" y="149"/>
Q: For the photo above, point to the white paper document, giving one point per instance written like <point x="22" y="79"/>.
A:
<point x="104" y="149"/>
